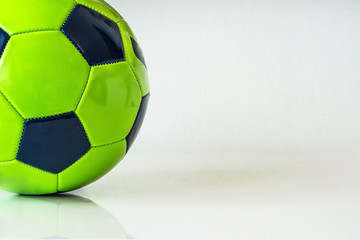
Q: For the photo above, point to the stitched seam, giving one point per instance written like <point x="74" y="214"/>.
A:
<point x="84" y="128"/>
<point x="58" y="115"/>
<point x="57" y="184"/>
<point x="49" y="117"/>
<point x="35" y="31"/>
<point x="5" y="30"/>
<point x="77" y="161"/>
<point x="40" y="30"/>
<point x="38" y="169"/>
<point x="24" y="127"/>
<point x="108" y="62"/>
<point x="21" y="138"/>
<point x="83" y="92"/>
<point x="7" y="161"/>
<point x="127" y="58"/>
<point x="1" y="92"/>
<point x="7" y="41"/>
<point x="70" y="39"/>
<point x="79" y="47"/>
<point x="143" y="61"/>
<point x="3" y="50"/>
<point x="29" y="119"/>
<point x="123" y="41"/>
<point x="86" y="133"/>
<point x="12" y="105"/>
<point x="108" y="144"/>
<point x="141" y="91"/>
<point x="102" y="13"/>
<point x="124" y="139"/>
<point x="76" y="46"/>
<point x="123" y="48"/>
<point x="137" y="80"/>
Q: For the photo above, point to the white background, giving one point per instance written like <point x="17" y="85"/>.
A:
<point x="252" y="130"/>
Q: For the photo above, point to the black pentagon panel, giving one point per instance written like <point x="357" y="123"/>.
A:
<point x="4" y="38"/>
<point x="138" y="122"/>
<point x="97" y="37"/>
<point x="138" y="51"/>
<point x="54" y="143"/>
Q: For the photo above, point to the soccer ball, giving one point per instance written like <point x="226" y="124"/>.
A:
<point x="73" y="93"/>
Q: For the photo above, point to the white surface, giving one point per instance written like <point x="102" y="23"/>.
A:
<point x="216" y="197"/>
<point x="252" y="132"/>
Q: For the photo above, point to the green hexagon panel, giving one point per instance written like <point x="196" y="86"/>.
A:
<point x="110" y="103"/>
<point x="136" y="64"/>
<point x="96" y="163"/>
<point x="18" y="177"/>
<point x="11" y="125"/>
<point x="102" y="7"/>
<point x="18" y="16"/>
<point x="42" y="74"/>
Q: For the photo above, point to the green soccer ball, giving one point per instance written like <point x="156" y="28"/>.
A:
<point x="73" y="93"/>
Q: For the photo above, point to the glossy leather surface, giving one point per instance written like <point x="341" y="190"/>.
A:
<point x="95" y="164"/>
<point x="102" y="7"/>
<point x="11" y="125"/>
<point x="19" y="177"/>
<point x="95" y="36"/>
<point x="136" y="65"/>
<point x="110" y="103"/>
<point x="54" y="143"/>
<point x="21" y="16"/>
<point x="42" y="74"/>
<point x="138" y="122"/>
<point x="138" y="51"/>
<point x="4" y="38"/>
